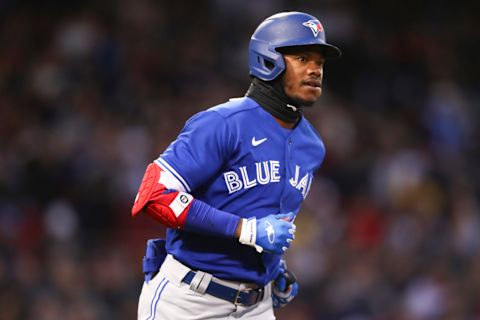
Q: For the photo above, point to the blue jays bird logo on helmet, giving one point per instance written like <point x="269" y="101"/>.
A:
<point x="314" y="25"/>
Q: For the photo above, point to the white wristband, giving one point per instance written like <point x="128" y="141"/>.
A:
<point x="248" y="235"/>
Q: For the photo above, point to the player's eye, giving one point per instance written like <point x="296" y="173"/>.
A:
<point x="302" y="58"/>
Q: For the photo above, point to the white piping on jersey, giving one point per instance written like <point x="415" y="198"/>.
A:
<point x="169" y="180"/>
<point x="174" y="176"/>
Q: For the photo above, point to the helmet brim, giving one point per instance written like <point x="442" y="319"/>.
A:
<point x="331" y="51"/>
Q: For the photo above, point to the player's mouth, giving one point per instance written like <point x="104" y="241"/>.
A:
<point x="312" y="83"/>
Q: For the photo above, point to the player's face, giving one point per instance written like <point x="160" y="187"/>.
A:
<point x="303" y="75"/>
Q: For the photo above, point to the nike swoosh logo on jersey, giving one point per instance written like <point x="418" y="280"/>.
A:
<point x="258" y="142"/>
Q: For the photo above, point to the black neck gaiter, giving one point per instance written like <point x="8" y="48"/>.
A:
<point x="270" y="96"/>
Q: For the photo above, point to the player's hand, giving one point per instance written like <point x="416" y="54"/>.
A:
<point x="275" y="233"/>
<point x="284" y="288"/>
<point x="272" y="234"/>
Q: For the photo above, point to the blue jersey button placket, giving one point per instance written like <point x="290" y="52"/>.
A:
<point x="286" y="172"/>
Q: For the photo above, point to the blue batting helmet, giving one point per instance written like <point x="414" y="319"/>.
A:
<point x="285" y="29"/>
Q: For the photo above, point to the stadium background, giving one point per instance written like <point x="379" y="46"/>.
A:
<point x="92" y="91"/>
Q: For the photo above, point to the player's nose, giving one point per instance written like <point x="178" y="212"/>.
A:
<point x="315" y="70"/>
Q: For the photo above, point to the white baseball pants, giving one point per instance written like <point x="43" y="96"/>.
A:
<point x="166" y="297"/>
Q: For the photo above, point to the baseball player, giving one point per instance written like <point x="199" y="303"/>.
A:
<point x="231" y="184"/>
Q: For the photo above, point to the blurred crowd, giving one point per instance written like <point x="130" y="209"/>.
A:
<point x="93" y="91"/>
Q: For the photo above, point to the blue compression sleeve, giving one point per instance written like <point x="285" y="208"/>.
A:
<point x="205" y="219"/>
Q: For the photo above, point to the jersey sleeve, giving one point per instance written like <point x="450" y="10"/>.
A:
<point x="199" y="151"/>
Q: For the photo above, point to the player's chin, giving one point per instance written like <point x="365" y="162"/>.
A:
<point x="311" y="95"/>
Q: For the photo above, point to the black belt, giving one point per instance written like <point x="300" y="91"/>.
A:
<point x="246" y="297"/>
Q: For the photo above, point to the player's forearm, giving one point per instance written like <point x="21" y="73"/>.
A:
<point x="205" y="219"/>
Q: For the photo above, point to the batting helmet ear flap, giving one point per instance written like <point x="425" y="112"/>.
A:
<point x="265" y="63"/>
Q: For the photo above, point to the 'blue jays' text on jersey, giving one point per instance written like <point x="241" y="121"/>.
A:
<point x="237" y="158"/>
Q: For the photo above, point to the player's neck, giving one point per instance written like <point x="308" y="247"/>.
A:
<point x="271" y="98"/>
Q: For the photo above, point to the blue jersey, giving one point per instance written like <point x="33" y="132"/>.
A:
<point x="237" y="158"/>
